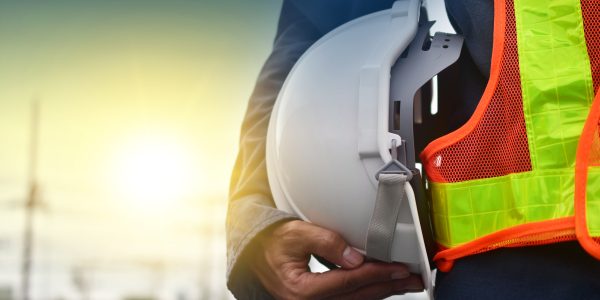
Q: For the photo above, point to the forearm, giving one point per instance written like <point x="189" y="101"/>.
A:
<point x="251" y="208"/>
<point x="247" y="218"/>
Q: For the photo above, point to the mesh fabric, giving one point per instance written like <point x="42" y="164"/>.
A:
<point x="498" y="144"/>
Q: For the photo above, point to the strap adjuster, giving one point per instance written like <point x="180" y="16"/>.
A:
<point x="394" y="166"/>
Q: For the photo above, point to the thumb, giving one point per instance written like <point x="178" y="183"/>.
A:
<point x="332" y="247"/>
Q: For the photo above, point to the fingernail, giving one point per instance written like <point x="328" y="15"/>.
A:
<point x="400" y="275"/>
<point x="352" y="257"/>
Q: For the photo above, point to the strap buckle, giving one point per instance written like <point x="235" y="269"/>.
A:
<point x="394" y="166"/>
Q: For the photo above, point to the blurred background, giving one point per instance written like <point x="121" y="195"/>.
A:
<point x="119" y="123"/>
<point x="123" y="118"/>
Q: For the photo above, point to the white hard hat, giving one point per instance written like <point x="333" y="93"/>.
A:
<point x="332" y="145"/>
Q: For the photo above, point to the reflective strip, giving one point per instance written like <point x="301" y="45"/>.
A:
<point x="556" y="79"/>
<point x="468" y="210"/>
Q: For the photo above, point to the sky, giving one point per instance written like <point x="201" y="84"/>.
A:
<point x="107" y="72"/>
<point x="140" y="105"/>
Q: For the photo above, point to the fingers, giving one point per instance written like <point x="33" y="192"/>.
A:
<point x="331" y="246"/>
<point x="381" y="290"/>
<point x="343" y="281"/>
<point x="280" y="263"/>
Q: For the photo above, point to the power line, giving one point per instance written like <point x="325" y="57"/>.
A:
<point x="32" y="202"/>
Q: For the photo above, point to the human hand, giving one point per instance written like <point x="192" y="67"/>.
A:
<point x="281" y="264"/>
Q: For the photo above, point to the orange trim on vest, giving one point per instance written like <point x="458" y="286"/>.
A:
<point x="584" y="149"/>
<point x="469" y="126"/>
<point x="496" y="128"/>
<point x="530" y="234"/>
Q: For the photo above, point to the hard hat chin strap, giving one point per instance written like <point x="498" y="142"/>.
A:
<point x="382" y="227"/>
<point x="390" y="193"/>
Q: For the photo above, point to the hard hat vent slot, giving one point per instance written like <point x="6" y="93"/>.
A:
<point x="396" y="116"/>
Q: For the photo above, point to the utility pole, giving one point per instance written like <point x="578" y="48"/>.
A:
<point x="31" y="204"/>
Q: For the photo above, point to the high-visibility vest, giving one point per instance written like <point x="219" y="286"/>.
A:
<point x="525" y="169"/>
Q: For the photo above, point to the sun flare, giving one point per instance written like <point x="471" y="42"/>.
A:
<point x="155" y="173"/>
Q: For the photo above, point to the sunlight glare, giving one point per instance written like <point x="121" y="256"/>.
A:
<point x="155" y="173"/>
